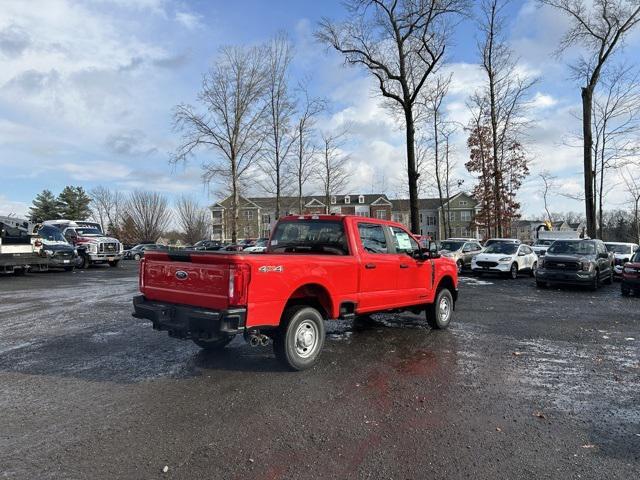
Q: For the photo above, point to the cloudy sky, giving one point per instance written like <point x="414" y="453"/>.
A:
<point x="87" y="89"/>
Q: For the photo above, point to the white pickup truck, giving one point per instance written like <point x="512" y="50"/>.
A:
<point x="20" y="247"/>
<point x="92" y="245"/>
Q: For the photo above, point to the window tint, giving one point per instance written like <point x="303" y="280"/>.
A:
<point x="403" y="242"/>
<point x="372" y="238"/>
<point x="51" y="234"/>
<point x="315" y="236"/>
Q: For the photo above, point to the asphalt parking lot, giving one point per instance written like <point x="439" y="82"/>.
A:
<point x="526" y="383"/>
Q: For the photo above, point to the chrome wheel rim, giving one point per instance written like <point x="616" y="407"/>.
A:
<point x="444" y="308"/>
<point x="306" y="339"/>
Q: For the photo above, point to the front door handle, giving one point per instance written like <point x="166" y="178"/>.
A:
<point x="370" y="266"/>
<point x="404" y="265"/>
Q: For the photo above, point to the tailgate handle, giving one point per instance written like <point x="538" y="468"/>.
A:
<point x="370" y="266"/>
<point x="404" y="265"/>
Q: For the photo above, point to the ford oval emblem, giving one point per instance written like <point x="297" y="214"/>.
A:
<point x="182" y="275"/>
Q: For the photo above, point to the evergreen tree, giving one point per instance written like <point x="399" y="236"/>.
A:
<point x="45" y="207"/>
<point x="74" y="203"/>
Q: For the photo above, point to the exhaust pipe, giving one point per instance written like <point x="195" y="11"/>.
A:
<point x="264" y="340"/>
<point x="254" y="340"/>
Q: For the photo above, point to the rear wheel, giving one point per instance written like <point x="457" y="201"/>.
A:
<point x="534" y="267"/>
<point x="440" y="311"/>
<point x="213" y="345"/>
<point x="136" y="256"/>
<point x="300" y="338"/>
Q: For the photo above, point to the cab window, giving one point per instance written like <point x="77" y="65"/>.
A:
<point x="403" y="242"/>
<point x="373" y="238"/>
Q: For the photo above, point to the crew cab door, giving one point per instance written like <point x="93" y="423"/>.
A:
<point x="378" y="268"/>
<point x="414" y="276"/>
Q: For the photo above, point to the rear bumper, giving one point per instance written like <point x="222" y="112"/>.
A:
<point x="183" y="321"/>
<point x="23" y="260"/>
<point x="630" y="282"/>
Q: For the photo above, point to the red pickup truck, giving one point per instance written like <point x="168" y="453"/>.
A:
<point x="316" y="268"/>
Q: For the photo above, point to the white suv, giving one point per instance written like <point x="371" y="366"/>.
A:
<point x="505" y="258"/>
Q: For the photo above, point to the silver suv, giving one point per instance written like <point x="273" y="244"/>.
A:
<point x="461" y="251"/>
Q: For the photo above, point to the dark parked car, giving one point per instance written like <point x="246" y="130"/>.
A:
<point x="576" y="262"/>
<point x="631" y="276"/>
<point x="137" y="252"/>
<point x="210" y="245"/>
<point x="59" y="252"/>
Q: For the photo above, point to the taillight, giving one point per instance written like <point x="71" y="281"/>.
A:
<point x="239" y="276"/>
<point x="141" y="274"/>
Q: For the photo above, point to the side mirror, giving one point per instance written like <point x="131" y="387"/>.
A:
<point x="604" y="255"/>
<point x="521" y="254"/>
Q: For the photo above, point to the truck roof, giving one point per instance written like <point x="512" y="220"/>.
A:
<point x="334" y="217"/>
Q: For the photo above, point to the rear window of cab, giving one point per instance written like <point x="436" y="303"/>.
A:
<point x="309" y="236"/>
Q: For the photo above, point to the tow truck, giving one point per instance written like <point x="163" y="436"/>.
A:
<point x="20" y="247"/>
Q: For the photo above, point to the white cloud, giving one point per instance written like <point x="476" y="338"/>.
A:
<point x="191" y="21"/>
<point x="9" y="207"/>
<point x="95" y="171"/>
<point x="541" y="100"/>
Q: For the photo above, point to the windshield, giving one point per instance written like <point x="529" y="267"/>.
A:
<point x="451" y="246"/>
<point x="636" y="257"/>
<point x="572" y="248"/>
<point x="51" y="234"/>
<point x="88" y="231"/>
<point x="500" y="247"/>
<point x="543" y="243"/>
<point x="624" y="249"/>
<point x="261" y="243"/>
<point x="310" y="236"/>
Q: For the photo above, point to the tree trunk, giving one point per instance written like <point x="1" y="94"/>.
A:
<point x="234" y="203"/>
<point x="300" y="162"/>
<point x="445" y="219"/>
<point x="497" y="172"/>
<point x="636" y="214"/>
<point x="411" y="172"/>
<point x="587" y="100"/>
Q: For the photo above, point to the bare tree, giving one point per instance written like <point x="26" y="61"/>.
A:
<point x="280" y="111"/>
<point x="632" y="183"/>
<point x="232" y="122"/>
<point x="600" y="27"/>
<point x="401" y="43"/>
<point x="616" y="123"/>
<point x="332" y="174"/>
<point x="506" y="93"/>
<point x="193" y="219"/>
<point x="149" y="214"/>
<point x="304" y="167"/>
<point x="107" y="208"/>
<point x="549" y="187"/>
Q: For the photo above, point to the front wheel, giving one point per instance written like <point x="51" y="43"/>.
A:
<point x="595" y="283"/>
<point x="300" y="338"/>
<point x="609" y="279"/>
<point x="440" y="311"/>
<point x="213" y="345"/>
<point x="137" y="256"/>
<point x="534" y="267"/>
<point x="513" y="271"/>
<point x="114" y="263"/>
<point x="83" y="261"/>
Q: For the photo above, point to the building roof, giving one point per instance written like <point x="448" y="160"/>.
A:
<point x="290" y="204"/>
<point x="402" y="204"/>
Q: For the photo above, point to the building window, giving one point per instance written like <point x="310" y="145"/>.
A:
<point x="362" y="214"/>
<point x="452" y="216"/>
<point x="266" y="219"/>
<point x="465" y="216"/>
<point x="347" y="199"/>
<point x="361" y="199"/>
<point x="462" y="203"/>
<point x="248" y="214"/>
<point x="431" y="220"/>
<point x="246" y="231"/>
<point x="420" y="218"/>
<point x="381" y="214"/>
<point x="333" y="199"/>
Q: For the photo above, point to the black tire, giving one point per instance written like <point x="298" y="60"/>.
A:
<point x="213" y="345"/>
<point x="541" y="284"/>
<point x="69" y="269"/>
<point x="84" y="261"/>
<point x="460" y="265"/>
<point x="609" y="279"/>
<point x="534" y="267"/>
<point x="137" y="256"/>
<point x="18" y="272"/>
<point x="114" y="264"/>
<point x="438" y="317"/>
<point x="513" y="271"/>
<point x="300" y="325"/>
<point x="625" y="290"/>
<point x="595" y="284"/>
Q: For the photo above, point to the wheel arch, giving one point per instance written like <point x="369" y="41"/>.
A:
<point x="314" y="295"/>
<point x="447" y="282"/>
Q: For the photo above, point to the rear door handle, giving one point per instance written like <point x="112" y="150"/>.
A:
<point x="404" y="265"/>
<point x="370" y="266"/>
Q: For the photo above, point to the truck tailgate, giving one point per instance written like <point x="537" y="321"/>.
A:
<point x="199" y="280"/>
